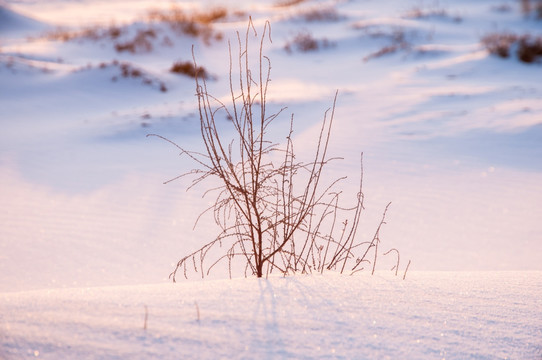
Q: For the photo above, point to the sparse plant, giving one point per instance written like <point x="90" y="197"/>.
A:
<point x="189" y="69"/>
<point x="529" y="7"/>
<point x="146" y="317"/>
<point x="197" y="24"/>
<point x="386" y="50"/>
<point x="141" y="43"/>
<point x="305" y="42"/>
<point x="499" y="43"/>
<point x="288" y="3"/>
<point x="406" y="269"/>
<point x="525" y="6"/>
<point x="529" y="48"/>
<point x="397" y="37"/>
<point x="320" y="15"/>
<point x="275" y="212"/>
<point x="127" y="70"/>
<point x="197" y="311"/>
<point x="89" y="33"/>
<point x="503" y="8"/>
<point x="430" y="12"/>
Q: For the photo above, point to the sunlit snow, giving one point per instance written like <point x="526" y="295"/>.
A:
<point x="450" y="134"/>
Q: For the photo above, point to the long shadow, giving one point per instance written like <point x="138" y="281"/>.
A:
<point x="267" y="335"/>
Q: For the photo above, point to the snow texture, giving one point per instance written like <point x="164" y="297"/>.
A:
<point x="430" y="315"/>
<point x="451" y="135"/>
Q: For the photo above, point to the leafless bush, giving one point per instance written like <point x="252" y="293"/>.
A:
<point x="287" y="3"/>
<point x="320" y="15"/>
<point x="197" y="24"/>
<point x="275" y="212"/>
<point x="529" y="48"/>
<point x="499" y="43"/>
<point x="141" y="43"/>
<point x="529" y="7"/>
<point x="305" y="42"/>
<point x="188" y="68"/>
<point x="398" y="38"/>
<point x="90" y="33"/>
<point x="430" y="12"/>
<point x="127" y="70"/>
<point x="386" y="50"/>
<point x="502" y="8"/>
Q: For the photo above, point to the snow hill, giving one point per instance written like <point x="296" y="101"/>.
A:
<point x="450" y="134"/>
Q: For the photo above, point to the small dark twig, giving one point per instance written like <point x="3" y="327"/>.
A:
<point x="197" y="311"/>
<point x="146" y="318"/>
<point x="404" y="275"/>
<point x="396" y="267"/>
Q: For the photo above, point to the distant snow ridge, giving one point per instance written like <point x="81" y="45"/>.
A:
<point x="11" y="22"/>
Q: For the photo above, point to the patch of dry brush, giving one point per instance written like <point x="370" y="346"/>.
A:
<point x="276" y="214"/>
<point x="528" y="48"/>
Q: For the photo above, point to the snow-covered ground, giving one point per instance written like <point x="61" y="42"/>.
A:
<point x="433" y="315"/>
<point x="451" y="135"/>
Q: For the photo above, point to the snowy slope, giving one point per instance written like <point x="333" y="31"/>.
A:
<point x="450" y="134"/>
<point x="439" y="315"/>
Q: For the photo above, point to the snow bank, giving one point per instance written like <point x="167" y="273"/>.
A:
<point x="12" y="22"/>
<point x="439" y="315"/>
<point x="450" y="134"/>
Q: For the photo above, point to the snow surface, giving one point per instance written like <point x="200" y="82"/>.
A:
<point x="451" y="135"/>
<point x="430" y="315"/>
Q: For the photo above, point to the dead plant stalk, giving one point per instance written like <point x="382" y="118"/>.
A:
<point x="277" y="217"/>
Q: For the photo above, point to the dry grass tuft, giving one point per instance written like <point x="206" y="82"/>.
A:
<point x="127" y="70"/>
<point x="399" y="40"/>
<point x="288" y="3"/>
<point x="528" y="48"/>
<point x="141" y="43"/>
<point x="196" y="24"/>
<point x="91" y="33"/>
<point x="321" y="15"/>
<point x="499" y="44"/>
<point x="305" y="42"/>
<point x="431" y="12"/>
<point x="529" y="7"/>
<point x="189" y="69"/>
<point x="386" y="50"/>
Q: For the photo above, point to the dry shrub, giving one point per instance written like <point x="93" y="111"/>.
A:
<point x="197" y="24"/>
<point x="319" y="14"/>
<point x="499" y="43"/>
<point x="386" y="50"/>
<point x="529" y="48"/>
<point x="420" y="13"/>
<point x="212" y="16"/>
<point x="275" y="212"/>
<point x="502" y="8"/>
<point x="525" y="6"/>
<point x="305" y="42"/>
<point x="398" y="37"/>
<point x="432" y="12"/>
<point x="90" y="33"/>
<point x="288" y="3"/>
<point x="140" y="44"/>
<point x="127" y="70"/>
<point x="189" y="69"/>
<point x="529" y="7"/>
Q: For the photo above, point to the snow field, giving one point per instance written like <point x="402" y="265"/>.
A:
<point x="430" y="315"/>
<point x="450" y="134"/>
